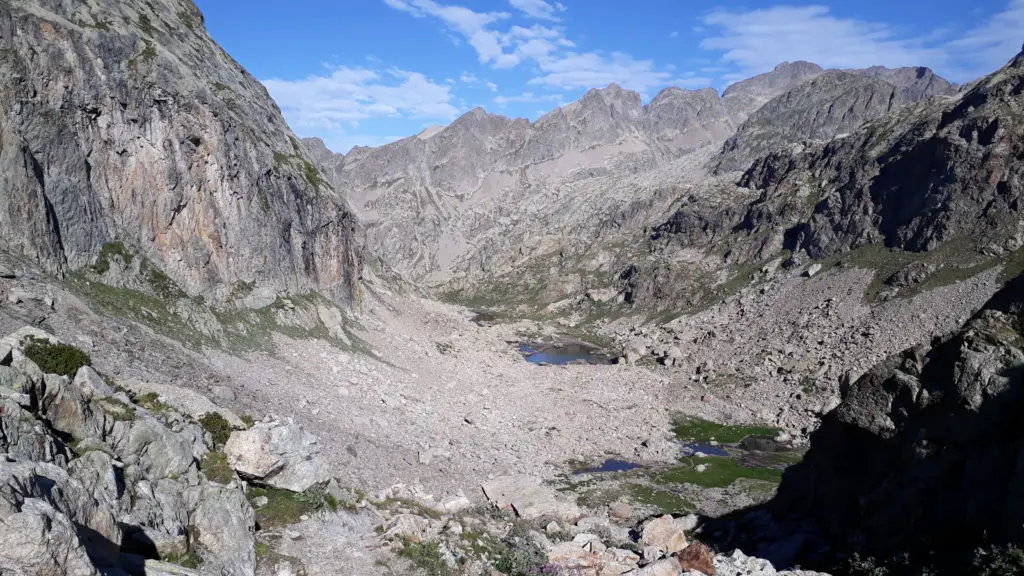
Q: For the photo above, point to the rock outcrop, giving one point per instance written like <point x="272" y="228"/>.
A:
<point x="92" y="483"/>
<point x="125" y="121"/>
<point x="913" y="180"/>
<point x="831" y="104"/>
<point x="923" y="454"/>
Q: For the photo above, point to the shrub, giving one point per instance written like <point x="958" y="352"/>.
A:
<point x="215" y="466"/>
<point x="999" y="561"/>
<point x="218" y="427"/>
<point x="426" y="556"/>
<point x="56" y="358"/>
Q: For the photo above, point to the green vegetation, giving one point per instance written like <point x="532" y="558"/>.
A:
<point x="189" y="560"/>
<point x="689" y="429"/>
<point x="218" y="427"/>
<point x="219" y="87"/>
<point x="215" y="466"/>
<point x="146" y="25"/>
<point x="413" y="506"/>
<point x="187" y="20"/>
<point x="151" y="401"/>
<point x="666" y="502"/>
<point x="521" y="555"/>
<point x="306" y="168"/>
<point x="1005" y="560"/>
<point x="263" y="550"/>
<point x="56" y="358"/>
<point x="317" y="498"/>
<point x="721" y="471"/>
<point x="426" y="556"/>
<point x="284" y="507"/>
<point x="117" y="410"/>
<point x="247" y="420"/>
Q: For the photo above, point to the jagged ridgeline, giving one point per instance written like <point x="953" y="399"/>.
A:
<point x="122" y="121"/>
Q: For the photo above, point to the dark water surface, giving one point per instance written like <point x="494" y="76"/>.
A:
<point x="561" y="354"/>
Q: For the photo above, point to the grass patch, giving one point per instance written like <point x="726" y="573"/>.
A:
<point x="721" y="472"/>
<point x="189" y="560"/>
<point x="146" y="25"/>
<point x="117" y="410"/>
<point x="426" y="556"/>
<point x="247" y="420"/>
<point x="689" y="429"/>
<point x="284" y="507"/>
<point x="56" y="358"/>
<point x="218" y="427"/>
<point x="187" y="19"/>
<point x="665" y="501"/>
<point x="107" y="252"/>
<point x="151" y="401"/>
<point x="139" y="307"/>
<point x="215" y="466"/>
<point x="414" y="507"/>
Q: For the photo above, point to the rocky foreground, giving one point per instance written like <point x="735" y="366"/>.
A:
<point x="101" y="477"/>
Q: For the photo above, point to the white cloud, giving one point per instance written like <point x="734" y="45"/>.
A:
<point x="470" y="79"/>
<point x="539" y="9"/>
<point x="674" y="34"/>
<point x="525" y="97"/>
<point x="756" y="41"/>
<point x="591" y="70"/>
<point x="473" y="26"/>
<point x="988" y="46"/>
<point x="545" y="46"/>
<point x="348" y="95"/>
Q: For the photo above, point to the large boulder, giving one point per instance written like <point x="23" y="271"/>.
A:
<point x="40" y="497"/>
<point x="37" y="539"/>
<point x="224" y="526"/>
<point x="282" y="455"/>
<point x="665" y="533"/>
<point x="529" y="499"/>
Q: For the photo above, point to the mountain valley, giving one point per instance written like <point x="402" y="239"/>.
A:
<point x="228" y="350"/>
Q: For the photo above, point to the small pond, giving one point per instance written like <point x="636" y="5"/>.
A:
<point x="692" y="448"/>
<point x="563" y="353"/>
<point x="611" y="465"/>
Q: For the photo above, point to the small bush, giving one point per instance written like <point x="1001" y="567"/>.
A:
<point x="522" y="556"/>
<point x="151" y="401"/>
<point x="189" y="560"/>
<point x="282" y="508"/>
<point x="317" y="498"/>
<point x="999" y="561"/>
<point x="426" y="556"/>
<point x="247" y="420"/>
<point x="218" y="427"/>
<point x="117" y="410"/>
<point x="56" y="358"/>
<point x="215" y="466"/>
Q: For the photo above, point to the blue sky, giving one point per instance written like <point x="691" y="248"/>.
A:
<point x="366" y="72"/>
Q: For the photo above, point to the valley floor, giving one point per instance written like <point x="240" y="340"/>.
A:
<point x="441" y="404"/>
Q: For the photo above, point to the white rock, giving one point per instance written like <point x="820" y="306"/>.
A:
<point x="281" y="455"/>
<point x="529" y="499"/>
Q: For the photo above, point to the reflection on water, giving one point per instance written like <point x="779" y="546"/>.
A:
<point x="562" y="354"/>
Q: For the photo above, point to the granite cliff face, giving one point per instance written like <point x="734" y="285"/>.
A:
<point x="124" y="121"/>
